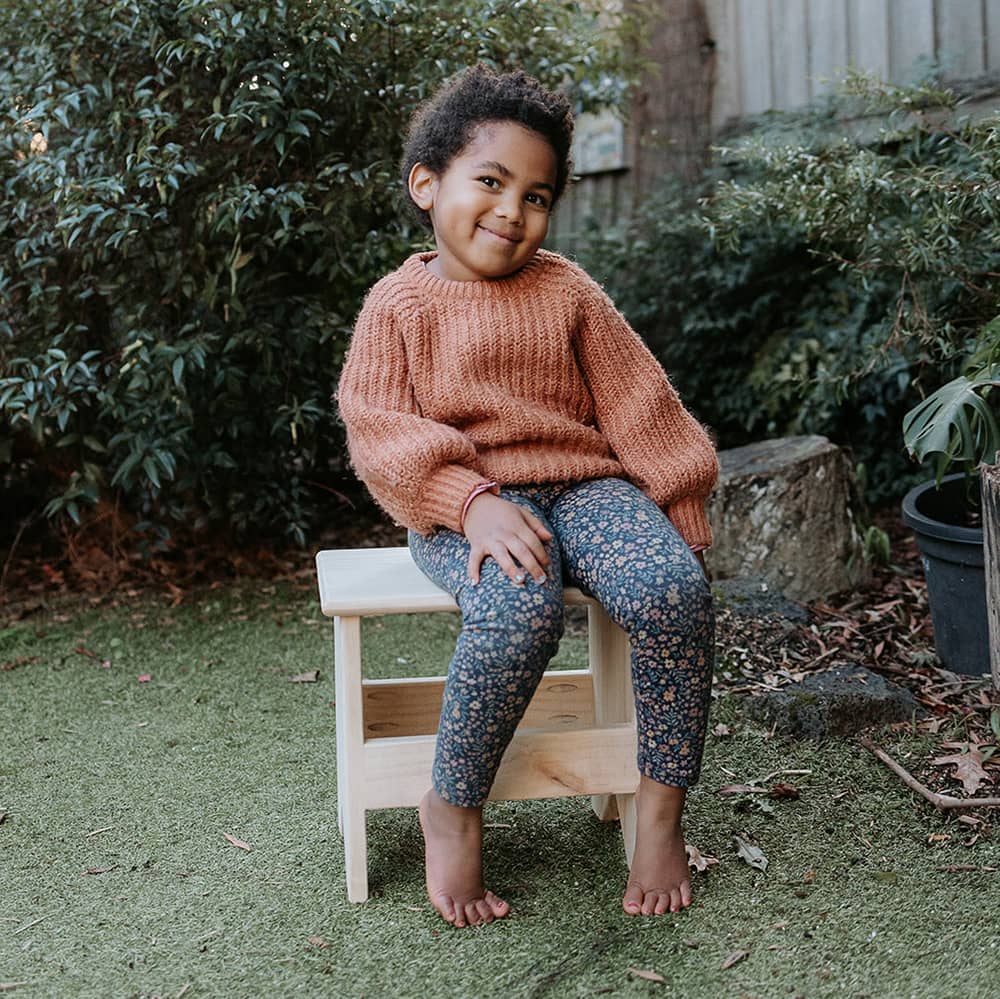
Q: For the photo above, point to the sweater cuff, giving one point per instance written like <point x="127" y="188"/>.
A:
<point x="688" y="516"/>
<point x="444" y="495"/>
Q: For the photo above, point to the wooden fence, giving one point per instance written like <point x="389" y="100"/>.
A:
<point x="782" y="53"/>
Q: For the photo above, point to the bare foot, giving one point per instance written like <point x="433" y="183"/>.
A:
<point x="659" y="880"/>
<point x="453" y="855"/>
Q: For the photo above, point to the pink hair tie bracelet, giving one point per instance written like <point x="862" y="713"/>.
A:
<point x="483" y="487"/>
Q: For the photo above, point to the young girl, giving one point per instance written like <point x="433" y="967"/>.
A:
<point x="499" y="406"/>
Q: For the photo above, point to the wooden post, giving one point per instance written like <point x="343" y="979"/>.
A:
<point x="990" y="486"/>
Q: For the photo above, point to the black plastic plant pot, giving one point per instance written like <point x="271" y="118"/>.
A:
<point x="952" y="556"/>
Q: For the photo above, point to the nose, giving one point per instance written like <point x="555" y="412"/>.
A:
<point x="509" y="208"/>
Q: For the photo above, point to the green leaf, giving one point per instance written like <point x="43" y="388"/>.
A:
<point x="955" y="423"/>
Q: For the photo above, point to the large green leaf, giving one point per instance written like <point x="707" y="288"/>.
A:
<point x="955" y="423"/>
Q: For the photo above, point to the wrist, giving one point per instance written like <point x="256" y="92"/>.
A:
<point x="483" y="487"/>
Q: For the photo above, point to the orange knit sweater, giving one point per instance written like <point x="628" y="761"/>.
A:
<point x="533" y="378"/>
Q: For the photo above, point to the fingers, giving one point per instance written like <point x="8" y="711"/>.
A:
<point x="537" y="526"/>
<point x="531" y="555"/>
<point x="476" y="556"/>
<point x="514" y="537"/>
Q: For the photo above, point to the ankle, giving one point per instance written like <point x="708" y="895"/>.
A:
<point x="661" y="803"/>
<point x="454" y="816"/>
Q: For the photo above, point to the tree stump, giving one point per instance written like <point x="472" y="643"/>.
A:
<point x="784" y="511"/>
<point x="990" y="489"/>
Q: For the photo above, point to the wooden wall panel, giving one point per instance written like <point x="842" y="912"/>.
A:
<point x="868" y="35"/>
<point x="829" y="51"/>
<point x="960" y="33"/>
<point x="789" y="53"/>
<point x="992" y="9"/>
<point x="754" y="26"/>
<point x="911" y="37"/>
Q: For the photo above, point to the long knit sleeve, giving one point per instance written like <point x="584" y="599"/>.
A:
<point x="533" y="378"/>
<point x="419" y="470"/>
<point x="664" y="450"/>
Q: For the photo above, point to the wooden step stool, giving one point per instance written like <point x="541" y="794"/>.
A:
<point x="576" y="738"/>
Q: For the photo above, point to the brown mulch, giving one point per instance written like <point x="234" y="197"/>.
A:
<point x="884" y="625"/>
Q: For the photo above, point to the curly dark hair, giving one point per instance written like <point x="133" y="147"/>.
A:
<point x="443" y="125"/>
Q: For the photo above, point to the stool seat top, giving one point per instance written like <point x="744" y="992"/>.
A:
<point x="362" y="582"/>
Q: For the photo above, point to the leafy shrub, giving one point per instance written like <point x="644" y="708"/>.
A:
<point x="195" y="197"/>
<point x="832" y="262"/>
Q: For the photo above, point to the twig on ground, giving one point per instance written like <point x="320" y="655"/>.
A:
<point x="27" y="926"/>
<point x="943" y="801"/>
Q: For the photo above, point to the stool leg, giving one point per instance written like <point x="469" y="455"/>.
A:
<point x="609" y="665"/>
<point x="350" y="754"/>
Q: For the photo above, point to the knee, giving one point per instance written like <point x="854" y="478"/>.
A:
<point x="659" y="601"/>
<point x="525" y="629"/>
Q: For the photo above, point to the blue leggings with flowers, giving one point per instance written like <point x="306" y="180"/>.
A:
<point x="616" y="545"/>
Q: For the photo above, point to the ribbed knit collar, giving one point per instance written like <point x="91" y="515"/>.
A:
<point x="416" y="272"/>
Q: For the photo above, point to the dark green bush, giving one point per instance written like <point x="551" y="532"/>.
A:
<point x="825" y="263"/>
<point x="195" y="196"/>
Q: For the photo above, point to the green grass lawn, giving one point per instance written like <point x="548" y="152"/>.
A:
<point x="116" y="878"/>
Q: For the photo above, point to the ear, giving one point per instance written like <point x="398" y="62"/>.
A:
<point x="423" y="186"/>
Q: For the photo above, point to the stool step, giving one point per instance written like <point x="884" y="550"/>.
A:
<point x="537" y="764"/>
<point x="393" y="708"/>
<point x="363" y="582"/>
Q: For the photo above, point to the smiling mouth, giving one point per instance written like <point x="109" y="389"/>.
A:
<point x="501" y="235"/>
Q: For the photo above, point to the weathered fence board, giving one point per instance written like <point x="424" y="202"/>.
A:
<point x="990" y="482"/>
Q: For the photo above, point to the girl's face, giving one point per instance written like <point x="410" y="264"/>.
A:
<point x="490" y="207"/>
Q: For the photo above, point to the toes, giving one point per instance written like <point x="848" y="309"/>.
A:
<point x="485" y="911"/>
<point x="664" y="902"/>
<point x="445" y="905"/>
<point x="685" y="894"/>
<point x="498" y="906"/>
<point x="649" y="902"/>
<point x="632" y="902"/>
<point x="472" y="916"/>
<point x="675" y="899"/>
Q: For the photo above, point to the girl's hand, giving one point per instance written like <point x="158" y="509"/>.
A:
<point x="510" y="534"/>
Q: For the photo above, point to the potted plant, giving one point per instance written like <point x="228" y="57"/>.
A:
<point x="955" y="426"/>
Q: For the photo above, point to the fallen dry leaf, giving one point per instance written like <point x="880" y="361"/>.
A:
<point x="721" y="731"/>
<point x="10" y="986"/>
<point x="310" y="677"/>
<point x="734" y="958"/>
<point x="100" y="870"/>
<point x="318" y="942"/>
<point x="648" y="976"/>
<point x="145" y="678"/>
<point x="783" y="790"/>
<point x="968" y="768"/>
<point x="753" y="855"/>
<point x="14" y="663"/>
<point x="699" y="861"/>
<point x="237" y="842"/>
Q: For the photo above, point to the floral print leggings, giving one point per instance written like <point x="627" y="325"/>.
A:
<point x="616" y="545"/>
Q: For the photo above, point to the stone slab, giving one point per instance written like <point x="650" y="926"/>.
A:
<point x="837" y="702"/>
